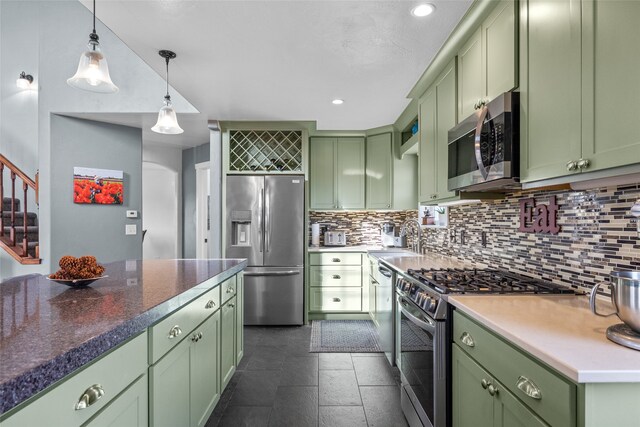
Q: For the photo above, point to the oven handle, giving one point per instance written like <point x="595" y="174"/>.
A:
<point x="426" y="324"/>
<point x="477" y="142"/>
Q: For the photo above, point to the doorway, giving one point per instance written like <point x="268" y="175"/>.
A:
<point x="159" y="212"/>
<point x="203" y="214"/>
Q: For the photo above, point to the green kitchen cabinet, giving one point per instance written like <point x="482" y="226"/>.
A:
<point x="379" y="171"/>
<point x="130" y="409"/>
<point x="437" y="116"/>
<point x="205" y="386"/>
<point x="227" y="341"/>
<point x="239" y="318"/>
<point x="610" y="89"/>
<point x="322" y="173"/>
<point x="337" y="173"/>
<point x="487" y="61"/>
<point x="479" y="400"/>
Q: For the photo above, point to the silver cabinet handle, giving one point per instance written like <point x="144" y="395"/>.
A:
<point x="174" y="332"/>
<point x="336" y="276"/>
<point x="194" y="338"/>
<point x="200" y="335"/>
<point x="231" y="305"/>
<point x="484" y="383"/>
<point x="572" y="165"/>
<point x="210" y="304"/>
<point x="529" y="388"/>
<point x="230" y="290"/>
<point x="90" y="396"/>
<point x="493" y="391"/>
<point x="467" y="339"/>
<point x="337" y="300"/>
<point x="335" y="260"/>
<point x="583" y="163"/>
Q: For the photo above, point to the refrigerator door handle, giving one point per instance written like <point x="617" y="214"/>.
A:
<point x="260" y="213"/>
<point x="267" y="221"/>
<point x="272" y="273"/>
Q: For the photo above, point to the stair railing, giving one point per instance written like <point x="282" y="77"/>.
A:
<point x="15" y="172"/>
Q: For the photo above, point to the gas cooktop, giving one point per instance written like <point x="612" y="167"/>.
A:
<point x="479" y="281"/>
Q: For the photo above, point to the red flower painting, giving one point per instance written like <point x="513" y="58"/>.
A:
<point x="98" y="186"/>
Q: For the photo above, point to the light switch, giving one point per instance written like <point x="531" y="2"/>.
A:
<point x="130" y="229"/>
<point x="132" y="214"/>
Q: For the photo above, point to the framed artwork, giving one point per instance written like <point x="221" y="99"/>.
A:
<point x="97" y="186"/>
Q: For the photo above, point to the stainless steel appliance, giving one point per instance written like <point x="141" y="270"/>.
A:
<point x="335" y="238"/>
<point x="387" y="233"/>
<point x="385" y="311"/>
<point x="265" y="224"/>
<point x="484" y="148"/>
<point x="625" y="296"/>
<point x="423" y="327"/>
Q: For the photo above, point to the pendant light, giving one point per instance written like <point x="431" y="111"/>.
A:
<point x="93" y="71"/>
<point x="167" y="120"/>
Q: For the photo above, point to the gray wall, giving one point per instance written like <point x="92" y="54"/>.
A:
<point x="94" y="229"/>
<point x="190" y="158"/>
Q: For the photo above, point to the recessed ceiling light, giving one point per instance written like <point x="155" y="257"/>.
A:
<point x="423" y="10"/>
<point x="337" y="101"/>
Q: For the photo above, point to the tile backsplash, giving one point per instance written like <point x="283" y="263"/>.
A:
<point x="362" y="227"/>
<point x="597" y="235"/>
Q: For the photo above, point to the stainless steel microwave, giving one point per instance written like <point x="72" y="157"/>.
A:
<point x="484" y="148"/>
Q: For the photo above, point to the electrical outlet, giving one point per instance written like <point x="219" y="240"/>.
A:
<point x="130" y="229"/>
<point x="132" y="282"/>
<point x="132" y="214"/>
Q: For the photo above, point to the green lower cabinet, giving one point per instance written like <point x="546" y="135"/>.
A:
<point x="227" y="341"/>
<point x="478" y="400"/>
<point x="130" y="409"/>
<point x="204" y="367"/>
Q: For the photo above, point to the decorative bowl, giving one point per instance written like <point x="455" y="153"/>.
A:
<point x="77" y="283"/>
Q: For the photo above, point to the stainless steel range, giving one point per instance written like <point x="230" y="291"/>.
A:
<point x="423" y="329"/>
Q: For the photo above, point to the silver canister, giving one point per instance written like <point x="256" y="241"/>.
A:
<point x="625" y="295"/>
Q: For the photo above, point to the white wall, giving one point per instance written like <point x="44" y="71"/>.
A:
<point x="45" y="39"/>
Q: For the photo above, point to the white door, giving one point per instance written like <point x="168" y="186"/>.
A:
<point x="159" y="212"/>
<point x="203" y="216"/>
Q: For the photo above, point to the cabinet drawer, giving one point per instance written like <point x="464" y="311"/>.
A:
<point x="111" y="374"/>
<point x="228" y="289"/>
<point x="336" y="299"/>
<point x="556" y="403"/>
<point x="336" y="276"/>
<point x="335" y="258"/>
<point x="170" y="331"/>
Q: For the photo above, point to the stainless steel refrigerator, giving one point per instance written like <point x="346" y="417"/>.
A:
<point x="265" y="224"/>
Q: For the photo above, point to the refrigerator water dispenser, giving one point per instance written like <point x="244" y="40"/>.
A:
<point x="241" y="228"/>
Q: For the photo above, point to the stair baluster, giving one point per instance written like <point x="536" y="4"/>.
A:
<point x="1" y="199"/>
<point x="25" y="235"/>
<point x="12" y="231"/>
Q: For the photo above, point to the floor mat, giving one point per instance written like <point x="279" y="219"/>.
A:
<point x="344" y="336"/>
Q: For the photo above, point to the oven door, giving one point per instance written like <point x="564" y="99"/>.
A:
<point x="422" y="364"/>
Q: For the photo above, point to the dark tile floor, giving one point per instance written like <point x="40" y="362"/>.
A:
<point x="279" y="383"/>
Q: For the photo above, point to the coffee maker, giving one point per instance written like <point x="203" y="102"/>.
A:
<point x="387" y="232"/>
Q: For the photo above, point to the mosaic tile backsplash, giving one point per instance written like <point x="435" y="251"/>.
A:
<point x="597" y="235"/>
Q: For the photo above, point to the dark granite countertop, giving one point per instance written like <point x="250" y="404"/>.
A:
<point x="49" y="330"/>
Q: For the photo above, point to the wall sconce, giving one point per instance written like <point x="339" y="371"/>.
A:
<point x="24" y="81"/>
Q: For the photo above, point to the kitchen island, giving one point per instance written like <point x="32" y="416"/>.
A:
<point x="50" y="332"/>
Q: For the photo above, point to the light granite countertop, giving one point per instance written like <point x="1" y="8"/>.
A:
<point x="561" y="331"/>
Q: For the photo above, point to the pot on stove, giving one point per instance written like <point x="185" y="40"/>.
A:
<point x="625" y="295"/>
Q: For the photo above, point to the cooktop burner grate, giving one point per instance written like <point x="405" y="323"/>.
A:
<point x="484" y="281"/>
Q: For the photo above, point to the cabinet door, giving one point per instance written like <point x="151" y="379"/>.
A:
<point x="322" y="173"/>
<point x="205" y="380"/>
<point x="427" y="147"/>
<point x="372" y="298"/>
<point x="170" y="388"/>
<point x="550" y="103"/>
<point x="472" y="406"/>
<point x="499" y="42"/>
<point x="470" y="75"/>
<point x="350" y="173"/>
<point x="445" y="120"/>
<point x="130" y="409"/>
<point x="509" y="412"/>
<point x="239" y="318"/>
<point x="379" y="171"/>
<point x="227" y="342"/>
<point x="610" y="88"/>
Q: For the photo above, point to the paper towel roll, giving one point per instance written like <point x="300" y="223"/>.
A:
<point x="315" y="234"/>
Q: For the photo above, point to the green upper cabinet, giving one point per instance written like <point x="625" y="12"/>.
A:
<point x="322" y="173"/>
<point x="437" y="116"/>
<point x="550" y="134"/>
<point x="487" y="61"/>
<point x="379" y="171"/>
<point x="350" y="154"/>
<point x="610" y="60"/>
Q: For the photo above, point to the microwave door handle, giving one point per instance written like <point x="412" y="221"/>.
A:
<point x="478" y="140"/>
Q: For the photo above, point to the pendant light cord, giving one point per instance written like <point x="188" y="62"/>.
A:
<point x="94" y="16"/>
<point x="167" y="96"/>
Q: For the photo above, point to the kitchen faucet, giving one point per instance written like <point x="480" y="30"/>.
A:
<point x="417" y="243"/>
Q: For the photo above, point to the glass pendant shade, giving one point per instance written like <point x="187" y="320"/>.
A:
<point x="93" y="71"/>
<point x="167" y="120"/>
